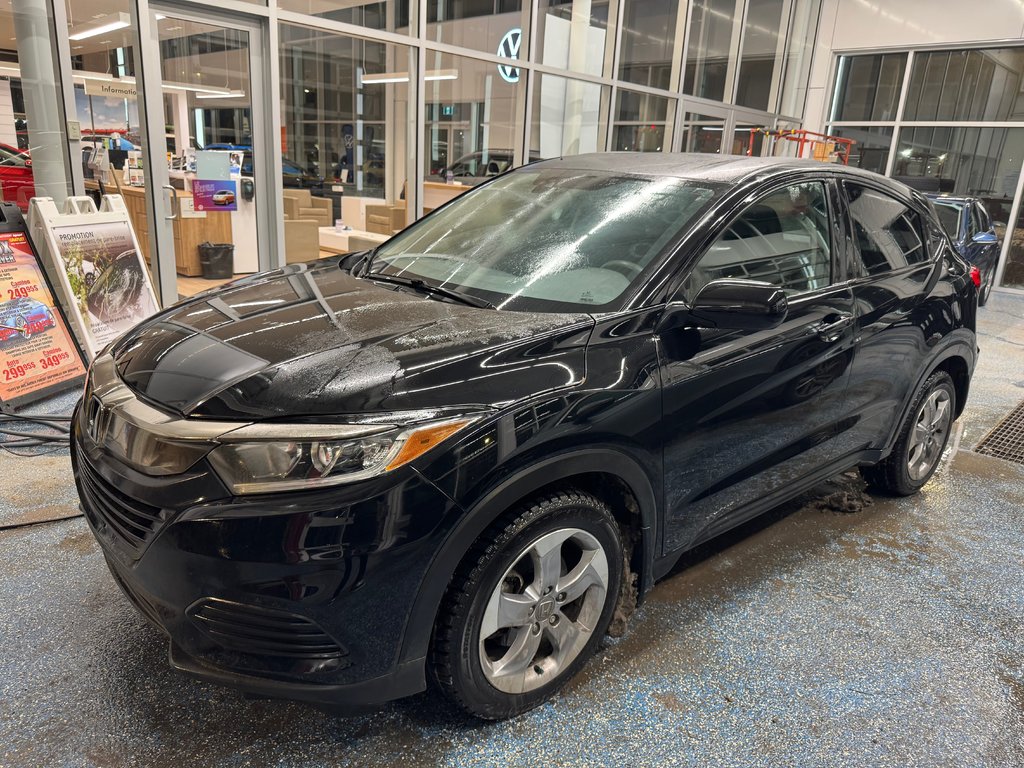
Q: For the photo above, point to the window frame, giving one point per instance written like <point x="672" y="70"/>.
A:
<point x="835" y="266"/>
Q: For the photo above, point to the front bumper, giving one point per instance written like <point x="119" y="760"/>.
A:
<point x="304" y="595"/>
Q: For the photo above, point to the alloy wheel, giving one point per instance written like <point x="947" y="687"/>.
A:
<point x="929" y="435"/>
<point x="543" y="610"/>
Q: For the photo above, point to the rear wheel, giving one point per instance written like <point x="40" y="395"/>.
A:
<point x="529" y="605"/>
<point x="921" y="441"/>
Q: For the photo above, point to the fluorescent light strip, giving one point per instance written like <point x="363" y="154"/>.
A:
<point x="403" y="77"/>
<point x="232" y="95"/>
<point x="118" y="21"/>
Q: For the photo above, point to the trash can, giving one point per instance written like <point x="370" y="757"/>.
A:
<point x="217" y="259"/>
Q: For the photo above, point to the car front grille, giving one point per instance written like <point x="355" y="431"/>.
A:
<point x="262" y="631"/>
<point x="130" y="522"/>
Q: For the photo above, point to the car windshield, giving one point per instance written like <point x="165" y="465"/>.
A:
<point x="548" y="239"/>
<point x="949" y="216"/>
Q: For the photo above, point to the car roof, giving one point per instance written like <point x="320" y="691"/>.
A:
<point x="727" y="169"/>
<point x="955" y="199"/>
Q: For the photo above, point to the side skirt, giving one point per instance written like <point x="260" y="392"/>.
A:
<point x="667" y="562"/>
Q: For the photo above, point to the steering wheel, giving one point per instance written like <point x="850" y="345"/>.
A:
<point x="626" y="268"/>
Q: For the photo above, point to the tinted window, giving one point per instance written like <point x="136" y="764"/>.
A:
<point x="949" y="216"/>
<point x="782" y="239"/>
<point x="887" y="231"/>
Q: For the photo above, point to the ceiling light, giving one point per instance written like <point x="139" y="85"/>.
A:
<point x="106" y="24"/>
<point x="229" y="95"/>
<point x="403" y="77"/>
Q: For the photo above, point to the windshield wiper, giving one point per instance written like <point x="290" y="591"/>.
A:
<point x="437" y="290"/>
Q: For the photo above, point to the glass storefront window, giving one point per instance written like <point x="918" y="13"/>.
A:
<point x="709" y="45"/>
<point x="871" y="152"/>
<point x="32" y="139"/>
<point x="471" y="128"/>
<point x="979" y="162"/>
<point x="640" y="121"/>
<point x="567" y="117"/>
<point x="573" y="35"/>
<point x="797" y="64"/>
<point x="345" y="106"/>
<point x="964" y="85"/>
<point x="868" y="87"/>
<point x="648" y="42"/>
<point x="1013" y="272"/>
<point x="494" y="26"/>
<point x="702" y="133"/>
<point x="392" y="15"/>
<point x="760" y="58"/>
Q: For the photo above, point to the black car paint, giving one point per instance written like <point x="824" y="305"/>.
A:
<point x="608" y="400"/>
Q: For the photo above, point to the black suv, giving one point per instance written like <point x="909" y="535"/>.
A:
<point x="447" y="459"/>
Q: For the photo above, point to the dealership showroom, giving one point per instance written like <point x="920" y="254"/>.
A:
<point x="511" y="383"/>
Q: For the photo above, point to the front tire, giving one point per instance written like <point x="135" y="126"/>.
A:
<point x="921" y="441"/>
<point x="529" y="605"/>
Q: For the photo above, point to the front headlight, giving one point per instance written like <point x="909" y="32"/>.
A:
<point x="263" y="466"/>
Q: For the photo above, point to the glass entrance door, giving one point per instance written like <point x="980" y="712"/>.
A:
<point x="205" y="170"/>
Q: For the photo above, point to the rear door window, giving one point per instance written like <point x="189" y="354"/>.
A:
<point x="887" y="231"/>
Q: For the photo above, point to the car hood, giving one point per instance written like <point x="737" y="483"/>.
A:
<point x="311" y="340"/>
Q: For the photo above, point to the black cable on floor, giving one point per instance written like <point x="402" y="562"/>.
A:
<point x="57" y="438"/>
<point x="30" y="523"/>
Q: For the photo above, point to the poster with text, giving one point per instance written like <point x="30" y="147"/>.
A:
<point x="214" y="195"/>
<point x="108" y="278"/>
<point x="37" y="352"/>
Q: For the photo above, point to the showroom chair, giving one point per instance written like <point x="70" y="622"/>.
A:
<point x="385" y="219"/>
<point x="300" y="204"/>
<point x="301" y="240"/>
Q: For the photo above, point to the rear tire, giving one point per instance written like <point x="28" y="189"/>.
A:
<point x="528" y="606"/>
<point x="921" y="441"/>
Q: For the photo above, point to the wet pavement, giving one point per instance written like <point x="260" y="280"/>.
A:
<point x="890" y="635"/>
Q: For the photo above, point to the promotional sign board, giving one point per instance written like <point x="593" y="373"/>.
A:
<point x="38" y="355"/>
<point x="215" y="195"/>
<point x="99" y="266"/>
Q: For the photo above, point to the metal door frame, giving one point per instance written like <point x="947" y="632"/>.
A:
<point x="262" y="73"/>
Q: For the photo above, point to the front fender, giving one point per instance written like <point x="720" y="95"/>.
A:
<point x="489" y="507"/>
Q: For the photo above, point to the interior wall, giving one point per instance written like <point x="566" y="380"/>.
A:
<point x="867" y="24"/>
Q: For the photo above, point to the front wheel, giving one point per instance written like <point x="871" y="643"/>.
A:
<point x="529" y="605"/>
<point x="921" y="441"/>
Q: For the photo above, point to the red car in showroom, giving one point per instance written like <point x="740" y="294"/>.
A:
<point x="16" y="182"/>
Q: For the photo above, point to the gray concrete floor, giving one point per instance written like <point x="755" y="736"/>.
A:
<point x="889" y="636"/>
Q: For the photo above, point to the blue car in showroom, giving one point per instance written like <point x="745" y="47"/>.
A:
<point x="452" y="460"/>
<point x="974" y="236"/>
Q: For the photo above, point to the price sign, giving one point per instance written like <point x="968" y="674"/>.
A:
<point x="37" y="353"/>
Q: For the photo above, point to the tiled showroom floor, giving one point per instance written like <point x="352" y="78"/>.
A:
<point x="888" y="636"/>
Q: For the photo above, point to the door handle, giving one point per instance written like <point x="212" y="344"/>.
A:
<point x="174" y="202"/>
<point x="831" y="328"/>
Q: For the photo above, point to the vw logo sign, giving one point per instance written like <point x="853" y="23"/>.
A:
<point x="509" y="48"/>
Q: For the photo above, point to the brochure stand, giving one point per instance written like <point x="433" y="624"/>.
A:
<point x="38" y="354"/>
<point x="95" y="259"/>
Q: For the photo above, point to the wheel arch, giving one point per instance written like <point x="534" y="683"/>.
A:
<point x="602" y="471"/>
<point x="957" y="357"/>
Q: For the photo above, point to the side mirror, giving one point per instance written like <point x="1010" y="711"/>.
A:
<point x="728" y="304"/>
<point x="985" y="238"/>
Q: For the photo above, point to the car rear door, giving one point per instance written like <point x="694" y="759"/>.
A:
<point x="891" y="270"/>
<point x="747" y="414"/>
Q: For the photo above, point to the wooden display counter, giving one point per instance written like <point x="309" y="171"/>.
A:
<point x="189" y="232"/>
